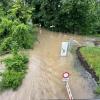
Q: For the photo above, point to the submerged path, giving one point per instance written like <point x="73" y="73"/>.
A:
<point x="44" y="77"/>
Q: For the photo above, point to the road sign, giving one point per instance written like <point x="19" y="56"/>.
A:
<point x="65" y="76"/>
<point x="64" y="48"/>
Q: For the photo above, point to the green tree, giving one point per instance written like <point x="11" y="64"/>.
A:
<point x="24" y="35"/>
<point x="46" y="12"/>
<point x="50" y="10"/>
<point x="36" y="13"/>
<point x="6" y="4"/>
<point x="20" y="11"/>
<point x="80" y="15"/>
<point x="2" y="13"/>
<point x="97" y="25"/>
<point x="28" y="1"/>
<point x="5" y="27"/>
<point x="67" y="15"/>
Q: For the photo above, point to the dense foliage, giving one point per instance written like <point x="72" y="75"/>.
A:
<point x="20" y="11"/>
<point x="5" y="45"/>
<point x="97" y="25"/>
<point x="81" y="16"/>
<point x="11" y="79"/>
<point x="16" y="32"/>
<point x="16" y="25"/>
<point x="5" y="27"/>
<point x="23" y="35"/>
<point x="75" y="16"/>
<point x="15" y="69"/>
<point x="17" y="63"/>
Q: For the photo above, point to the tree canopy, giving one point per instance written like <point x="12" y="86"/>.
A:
<point x="75" y="16"/>
<point x="16" y="25"/>
<point x="67" y="15"/>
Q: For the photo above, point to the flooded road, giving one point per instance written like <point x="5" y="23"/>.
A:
<point x="44" y="76"/>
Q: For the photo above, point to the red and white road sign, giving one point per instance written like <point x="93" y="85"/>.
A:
<point x="66" y="75"/>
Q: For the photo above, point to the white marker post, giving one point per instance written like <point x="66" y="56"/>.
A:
<point x="65" y="79"/>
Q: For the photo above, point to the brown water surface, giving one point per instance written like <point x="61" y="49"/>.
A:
<point x="46" y="66"/>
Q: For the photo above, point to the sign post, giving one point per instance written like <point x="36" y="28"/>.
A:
<point x="66" y="76"/>
<point x="65" y="79"/>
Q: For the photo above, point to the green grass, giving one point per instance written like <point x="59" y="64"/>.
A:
<point x="92" y="56"/>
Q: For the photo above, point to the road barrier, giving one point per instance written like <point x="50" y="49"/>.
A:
<point x="69" y="91"/>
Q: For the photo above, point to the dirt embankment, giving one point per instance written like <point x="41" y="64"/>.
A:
<point x="86" y="65"/>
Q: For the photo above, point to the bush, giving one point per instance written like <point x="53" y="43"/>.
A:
<point x="20" y="11"/>
<point x="11" y="31"/>
<point x="15" y="69"/>
<point x="11" y="79"/>
<point x="14" y="48"/>
<point x="24" y="35"/>
<point x="17" y="63"/>
<point x="24" y="58"/>
<point x="5" y="27"/>
<point x="15" y="72"/>
<point x="5" y="45"/>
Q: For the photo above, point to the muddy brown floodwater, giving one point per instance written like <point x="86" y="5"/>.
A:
<point x="44" y="77"/>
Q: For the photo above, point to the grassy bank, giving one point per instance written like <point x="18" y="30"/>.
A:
<point x="92" y="56"/>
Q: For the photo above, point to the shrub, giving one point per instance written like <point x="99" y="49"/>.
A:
<point x="17" y="63"/>
<point x="24" y="35"/>
<point x="20" y="11"/>
<point x="5" y="45"/>
<point x="24" y="58"/>
<point x="11" y="79"/>
<point x="15" y="72"/>
<point x="11" y="31"/>
<point x="14" y="48"/>
<point x="15" y="69"/>
<point x="5" y="27"/>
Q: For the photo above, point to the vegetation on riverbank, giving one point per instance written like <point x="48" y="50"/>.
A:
<point x="16" y="33"/>
<point x="92" y="56"/>
<point x="16" y="67"/>
<point x="16" y="25"/>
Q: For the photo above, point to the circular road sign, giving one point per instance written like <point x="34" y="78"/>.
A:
<point x="66" y="75"/>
